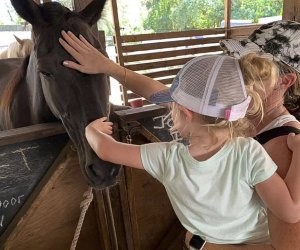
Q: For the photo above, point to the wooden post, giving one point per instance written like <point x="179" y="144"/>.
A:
<point x="289" y="10"/>
<point x="227" y="17"/>
<point x="118" y="44"/>
<point x="297" y="11"/>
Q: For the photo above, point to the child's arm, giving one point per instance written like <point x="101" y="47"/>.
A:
<point x="98" y="135"/>
<point x="91" y="61"/>
<point x="283" y="197"/>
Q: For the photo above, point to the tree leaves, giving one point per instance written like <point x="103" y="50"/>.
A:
<point x="178" y="15"/>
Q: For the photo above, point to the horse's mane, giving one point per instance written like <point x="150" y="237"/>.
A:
<point x="8" y="93"/>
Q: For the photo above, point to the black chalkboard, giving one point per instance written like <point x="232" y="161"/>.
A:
<point x="22" y="166"/>
<point x="159" y="126"/>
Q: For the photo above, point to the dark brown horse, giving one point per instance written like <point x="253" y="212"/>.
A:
<point x="42" y="90"/>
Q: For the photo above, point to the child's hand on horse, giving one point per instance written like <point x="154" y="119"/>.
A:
<point x="89" y="59"/>
<point x="102" y="125"/>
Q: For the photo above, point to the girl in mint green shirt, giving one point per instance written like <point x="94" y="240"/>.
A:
<point x="222" y="182"/>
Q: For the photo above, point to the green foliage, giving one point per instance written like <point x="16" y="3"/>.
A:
<point x="19" y="20"/>
<point x="253" y="10"/>
<point x="177" y="15"/>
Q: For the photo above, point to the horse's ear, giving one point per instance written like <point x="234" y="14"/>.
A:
<point x="20" y="41"/>
<point x="91" y="13"/>
<point x="28" y="10"/>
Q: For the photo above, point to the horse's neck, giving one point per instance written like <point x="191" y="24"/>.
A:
<point x="4" y="54"/>
<point x="13" y="51"/>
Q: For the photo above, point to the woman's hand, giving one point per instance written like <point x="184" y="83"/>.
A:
<point x="293" y="142"/>
<point x="102" y="125"/>
<point x="90" y="60"/>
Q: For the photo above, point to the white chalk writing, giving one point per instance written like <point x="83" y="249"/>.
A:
<point x="165" y="121"/>
<point x="3" y="166"/>
<point x="11" y="201"/>
<point x="21" y="151"/>
<point x="5" y="203"/>
<point x="1" y="220"/>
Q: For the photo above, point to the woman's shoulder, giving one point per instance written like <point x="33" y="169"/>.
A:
<point x="279" y="152"/>
<point x="294" y="124"/>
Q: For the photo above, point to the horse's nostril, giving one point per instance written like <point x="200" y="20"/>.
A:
<point x="90" y="168"/>
<point x="73" y="148"/>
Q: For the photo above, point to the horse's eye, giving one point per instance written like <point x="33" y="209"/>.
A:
<point x="44" y="73"/>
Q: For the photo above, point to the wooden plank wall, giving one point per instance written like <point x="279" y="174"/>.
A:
<point x="160" y="56"/>
<point x="291" y="10"/>
<point x="49" y="217"/>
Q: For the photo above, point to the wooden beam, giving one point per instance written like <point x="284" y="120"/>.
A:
<point x="289" y="10"/>
<point x="297" y="11"/>
<point x="159" y="64"/>
<point x="227" y="17"/>
<point x="33" y="132"/>
<point x="169" y="35"/>
<point x="171" y="44"/>
<point x="118" y="44"/>
<point x="170" y="54"/>
<point x="128" y="115"/>
<point x="238" y="32"/>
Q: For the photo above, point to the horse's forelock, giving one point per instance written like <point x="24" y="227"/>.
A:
<point x="74" y="23"/>
<point x="54" y="12"/>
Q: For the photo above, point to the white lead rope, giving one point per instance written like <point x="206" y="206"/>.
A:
<point x="84" y="205"/>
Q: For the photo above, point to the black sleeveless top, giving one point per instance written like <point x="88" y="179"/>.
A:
<point x="264" y="137"/>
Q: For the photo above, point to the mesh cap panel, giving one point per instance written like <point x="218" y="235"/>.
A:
<point x="193" y="79"/>
<point x="228" y="89"/>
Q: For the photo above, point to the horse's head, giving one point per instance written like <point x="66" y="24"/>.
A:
<point x="75" y="98"/>
<point x="20" y="48"/>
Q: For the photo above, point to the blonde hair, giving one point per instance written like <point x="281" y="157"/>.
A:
<point x="256" y="71"/>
